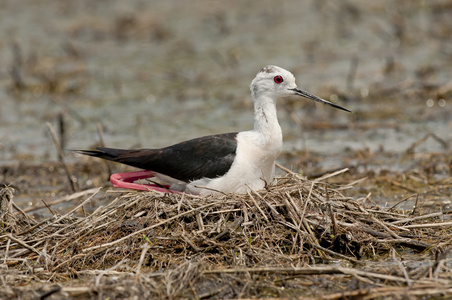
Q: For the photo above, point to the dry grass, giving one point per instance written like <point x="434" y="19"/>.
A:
<point x="299" y="238"/>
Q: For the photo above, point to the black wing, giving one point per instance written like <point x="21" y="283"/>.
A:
<point x="205" y="157"/>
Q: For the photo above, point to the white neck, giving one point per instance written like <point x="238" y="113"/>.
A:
<point x="266" y="120"/>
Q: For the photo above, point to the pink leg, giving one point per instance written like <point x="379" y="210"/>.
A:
<point x="126" y="181"/>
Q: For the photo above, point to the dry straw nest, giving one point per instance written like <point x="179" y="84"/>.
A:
<point x="299" y="238"/>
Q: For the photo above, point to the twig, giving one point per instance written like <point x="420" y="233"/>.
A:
<point x="22" y="212"/>
<point x="258" y="207"/>
<point x="398" y="184"/>
<point x="8" y="243"/>
<point x="353" y="260"/>
<point x="309" y="271"/>
<point x="190" y="242"/>
<point x="331" y="213"/>
<point x="23" y="244"/>
<point x="295" y="218"/>
<point x="143" y="254"/>
<point x="415" y="205"/>
<point x="401" y="267"/>
<point x="274" y="212"/>
<point x="412" y="219"/>
<point x="52" y="211"/>
<point x="382" y="224"/>
<point x="297" y="175"/>
<point x="423" y="139"/>
<point x="63" y="199"/>
<point x="200" y="221"/>
<point x="100" y="132"/>
<point x="62" y="130"/>
<point x="331" y="175"/>
<point x="403" y="200"/>
<point x="53" y="290"/>
<point x="61" y="156"/>
<point x="429" y="225"/>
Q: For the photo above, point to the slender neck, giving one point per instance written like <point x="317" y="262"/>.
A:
<point x="266" y="120"/>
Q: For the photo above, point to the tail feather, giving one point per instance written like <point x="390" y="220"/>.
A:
<point x="97" y="153"/>
<point x="128" y="157"/>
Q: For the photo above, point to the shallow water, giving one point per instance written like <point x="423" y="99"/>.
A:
<point x="153" y="74"/>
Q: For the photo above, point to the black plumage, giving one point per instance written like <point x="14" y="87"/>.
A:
<point x="205" y="157"/>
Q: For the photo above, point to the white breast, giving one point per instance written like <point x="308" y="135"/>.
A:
<point x="253" y="167"/>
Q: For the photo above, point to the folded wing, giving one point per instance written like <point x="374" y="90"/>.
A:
<point x="205" y="157"/>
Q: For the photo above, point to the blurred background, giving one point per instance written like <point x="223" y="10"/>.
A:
<point x="153" y="73"/>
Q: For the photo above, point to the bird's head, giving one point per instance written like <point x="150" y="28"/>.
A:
<point x="275" y="82"/>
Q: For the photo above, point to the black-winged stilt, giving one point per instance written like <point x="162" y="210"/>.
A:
<point x="230" y="163"/>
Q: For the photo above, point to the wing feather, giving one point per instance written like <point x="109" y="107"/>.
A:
<point x="205" y="157"/>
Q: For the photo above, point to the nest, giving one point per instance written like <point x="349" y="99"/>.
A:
<point x="281" y="241"/>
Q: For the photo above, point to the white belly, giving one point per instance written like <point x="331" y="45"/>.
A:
<point x="253" y="167"/>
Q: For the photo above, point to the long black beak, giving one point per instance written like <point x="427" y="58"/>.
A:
<point x="315" y="98"/>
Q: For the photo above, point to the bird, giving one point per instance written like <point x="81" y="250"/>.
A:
<point x="235" y="162"/>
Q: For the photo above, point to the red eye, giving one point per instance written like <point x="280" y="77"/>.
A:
<point x="278" y="79"/>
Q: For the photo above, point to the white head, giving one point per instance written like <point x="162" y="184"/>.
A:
<point x="274" y="82"/>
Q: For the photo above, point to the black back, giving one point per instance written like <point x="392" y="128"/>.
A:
<point x="205" y="157"/>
